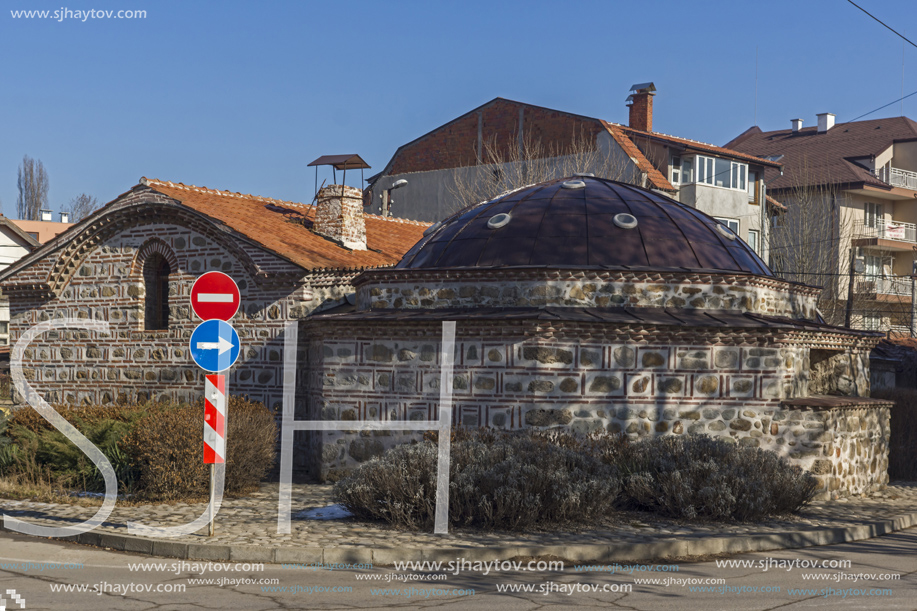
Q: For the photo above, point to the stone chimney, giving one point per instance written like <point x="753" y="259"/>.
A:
<point x="640" y="103"/>
<point x="797" y="124"/>
<point x="339" y="216"/>
<point x="825" y="122"/>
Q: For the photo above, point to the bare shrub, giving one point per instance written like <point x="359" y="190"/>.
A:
<point x="497" y="480"/>
<point x="521" y="480"/>
<point x="167" y="447"/>
<point x="700" y="476"/>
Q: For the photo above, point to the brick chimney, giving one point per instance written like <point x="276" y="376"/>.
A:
<point x="339" y="216"/>
<point x="640" y="102"/>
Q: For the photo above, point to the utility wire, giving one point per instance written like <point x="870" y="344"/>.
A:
<point x="881" y="107"/>
<point x="883" y="23"/>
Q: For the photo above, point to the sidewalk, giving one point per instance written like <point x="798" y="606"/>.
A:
<point x="246" y="531"/>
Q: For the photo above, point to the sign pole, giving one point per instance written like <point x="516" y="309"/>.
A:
<point x="212" y="486"/>
<point x="214" y="346"/>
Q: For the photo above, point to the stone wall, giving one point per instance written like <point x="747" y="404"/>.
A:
<point x="339" y="216"/>
<point x="516" y="378"/>
<point x="105" y="282"/>
<point x="411" y="289"/>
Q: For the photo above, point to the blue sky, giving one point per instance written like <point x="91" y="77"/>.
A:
<point x="242" y="95"/>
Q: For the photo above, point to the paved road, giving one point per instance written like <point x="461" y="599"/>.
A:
<point x="104" y="575"/>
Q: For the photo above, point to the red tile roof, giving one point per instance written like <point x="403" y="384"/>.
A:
<point x="699" y="146"/>
<point x="811" y="158"/>
<point x="655" y="178"/>
<point x="285" y="227"/>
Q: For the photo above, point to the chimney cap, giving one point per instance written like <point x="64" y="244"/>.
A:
<point x="643" y="88"/>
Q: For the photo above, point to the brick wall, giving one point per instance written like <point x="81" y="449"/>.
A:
<point x="456" y="144"/>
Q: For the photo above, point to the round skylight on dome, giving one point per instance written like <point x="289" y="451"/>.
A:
<point x="625" y="221"/>
<point x="498" y="220"/>
<point x="725" y="231"/>
<point x="574" y="184"/>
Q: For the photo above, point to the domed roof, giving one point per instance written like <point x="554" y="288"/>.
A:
<point x="583" y="222"/>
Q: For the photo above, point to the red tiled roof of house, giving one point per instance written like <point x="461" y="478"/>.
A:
<point x="699" y="146"/>
<point x="655" y="178"/>
<point x="811" y="158"/>
<point x="285" y="227"/>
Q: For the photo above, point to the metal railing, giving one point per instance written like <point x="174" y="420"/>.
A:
<point x="884" y="285"/>
<point x="886" y="230"/>
<point x="897" y="177"/>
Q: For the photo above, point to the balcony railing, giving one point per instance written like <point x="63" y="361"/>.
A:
<point x="897" y="177"/>
<point x="886" y="230"/>
<point x="899" y="286"/>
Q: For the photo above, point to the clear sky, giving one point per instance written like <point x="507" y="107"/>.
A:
<point x="242" y="95"/>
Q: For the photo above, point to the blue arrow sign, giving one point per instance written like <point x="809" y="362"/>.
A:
<point x="214" y="345"/>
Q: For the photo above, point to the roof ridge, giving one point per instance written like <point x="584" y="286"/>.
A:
<point x="149" y="182"/>
<point x="668" y="136"/>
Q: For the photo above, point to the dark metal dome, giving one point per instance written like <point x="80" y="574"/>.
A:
<point x="584" y="222"/>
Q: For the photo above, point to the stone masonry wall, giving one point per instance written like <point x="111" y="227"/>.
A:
<point x="339" y="216"/>
<point x="134" y="364"/>
<point x="590" y="289"/>
<point x="640" y="389"/>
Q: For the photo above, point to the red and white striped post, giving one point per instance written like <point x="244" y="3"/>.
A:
<point x="214" y="429"/>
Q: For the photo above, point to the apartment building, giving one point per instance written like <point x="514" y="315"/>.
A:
<point x="857" y="185"/>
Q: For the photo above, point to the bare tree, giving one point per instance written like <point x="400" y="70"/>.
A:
<point x="82" y="206"/>
<point x="813" y="243"/>
<point x="512" y="165"/>
<point x="32" y="182"/>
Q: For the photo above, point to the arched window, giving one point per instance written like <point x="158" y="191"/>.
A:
<point x="156" y="270"/>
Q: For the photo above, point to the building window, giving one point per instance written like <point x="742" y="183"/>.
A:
<point x="156" y="272"/>
<point x="682" y="170"/>
<point x="753" y="239"/>
<point x="731" y="223"/>
<point x="722" y="173"/>
<point x="872" y="322"/>
<point x="753" y="187"/>
<point x="873" y="214"/>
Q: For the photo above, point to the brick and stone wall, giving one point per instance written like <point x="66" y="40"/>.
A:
<point x="339" y="216"/>
<point x="413" y="289"/>
<point x="640" y="382"/>
<point x="106" y="283"/>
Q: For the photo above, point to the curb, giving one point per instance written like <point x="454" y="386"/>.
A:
<point x="383" y="556"/>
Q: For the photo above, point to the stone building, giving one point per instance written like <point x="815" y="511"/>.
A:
<point x="134" y="261"/>
<point x="595" y="305"/>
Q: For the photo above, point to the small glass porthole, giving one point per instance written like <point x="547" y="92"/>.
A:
<point x="585" y="174"/>
<point x="574" y="184"/>
<point x="498" y="220"/>
<point x="625" y="221"/>
<point x="725" y="231"/>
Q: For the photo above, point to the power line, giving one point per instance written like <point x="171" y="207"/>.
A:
<point x="885" y="106"/>
<point x="883" y="23"/>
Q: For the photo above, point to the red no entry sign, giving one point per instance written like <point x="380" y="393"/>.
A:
<point x="215" y="296"/>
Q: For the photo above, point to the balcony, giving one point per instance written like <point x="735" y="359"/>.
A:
<point x="884" y="288"/>
<point x="897" y="177"/>
<point x="886" y="235"/>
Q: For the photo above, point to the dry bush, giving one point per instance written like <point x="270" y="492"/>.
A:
<point x="700" y="476"/>
<point x="534" y="478"/>
<point x="902" y="445"/>
<point x="497" y="480"/>
<point x="167" y="448"/>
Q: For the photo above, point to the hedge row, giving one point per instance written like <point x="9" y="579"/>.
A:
<point x="156" y="449"/>
<point x="521" y="480"/>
